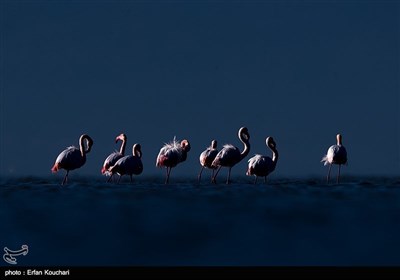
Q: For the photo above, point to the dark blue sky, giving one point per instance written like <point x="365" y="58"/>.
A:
<point x="300" y="71"/>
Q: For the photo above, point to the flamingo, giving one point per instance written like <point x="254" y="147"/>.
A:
<point x="336" y="154"/>
<point x="207" y="157"/>
<point x="171" y="154"/>
<point x="260" y="165"/>
<point x="72" y="157"/>
<point x="114" y="157"/>
<point x="129" y="165"/>
<point x="230" y="155"/>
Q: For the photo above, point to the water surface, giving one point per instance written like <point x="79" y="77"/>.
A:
<point x="287" y="222"/>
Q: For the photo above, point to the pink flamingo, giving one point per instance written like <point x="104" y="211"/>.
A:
<point x="171" y="154"/>
<point x="230" y="155"/>
<point x="336" y="154"/>
<point x="207" y="157"/>
<point x="114" y="157"/>
<point x="72" y="157"/>
<point x="129" y="165"/>
<point x="260" y="165"/>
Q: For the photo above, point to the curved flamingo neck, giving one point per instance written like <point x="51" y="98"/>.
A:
<point x="246" y="149"/>
<point x="339" y="139"/>
<point x="136" y="151"/>
<point x="82" y="146"/>
<point x="275" y="154"/>
<point x="272" y="146"/>
<point x="89" y="144"/>
<point x="123" y="146"/>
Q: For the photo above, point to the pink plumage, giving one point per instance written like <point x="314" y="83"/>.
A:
<point x="171" y="154"/>
<point x="72" y="157"/>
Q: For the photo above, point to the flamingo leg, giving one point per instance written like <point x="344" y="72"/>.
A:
<point x="65" y="178"/>
<point x="109" y="179"/>
<point x="168" y="173"/>
<point x="199" y="177"/>
<point x="329" y="173"/>
<point x="255" y="180"/>
<point x="212" y="175"/>
<point x="338" y="176"/>
<point x="119" y="178"/>
<point x="229" y="176"/>
<point x="213" y="180"/>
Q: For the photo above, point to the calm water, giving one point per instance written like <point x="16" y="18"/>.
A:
<point x="287" y="222"/>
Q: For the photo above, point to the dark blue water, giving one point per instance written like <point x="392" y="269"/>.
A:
<point x="287" y="222"/>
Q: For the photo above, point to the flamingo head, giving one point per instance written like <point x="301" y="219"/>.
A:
<point x="89" y="142"/>
<point x="185" y="145"/>
<point x="270" y="142"/>
<point x="121" y="137"/>
<point x="214" y="144"/>
<point x="244" y="134"/>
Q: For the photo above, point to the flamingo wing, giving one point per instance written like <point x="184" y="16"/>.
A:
<point x="170" y="155"/>
<point x="336" y="154"/>
<point x="212" y="155"/>
<point x="260" y="165"/>
<point x="70" y="159"/>
<point x="110" y="161"/>
<point x="207" y="157"/>
<point x="228" y="156"/>
<point x="128" y="165"/>
<point x="340" y="155"/>
<point x="133" y="165"/>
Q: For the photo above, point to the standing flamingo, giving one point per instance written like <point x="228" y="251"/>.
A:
<point x="336" y="154"/>
<point x="260" y="165"/>
<point x="207" y="157"/>
<point x="72" y="157"/>
<point x="230" y="155"/>
<point x="129" y="165"/>
<point x="114" y="157"/>
<point x="171" y="154"/>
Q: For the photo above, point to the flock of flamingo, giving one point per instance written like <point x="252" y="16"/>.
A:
<point x="175" y="152"/>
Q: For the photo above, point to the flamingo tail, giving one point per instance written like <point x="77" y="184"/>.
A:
<point x="106" y="170"/>
<point x="161" y="161"/>
<point x="55" y="168"/>
<point x="325" y="160"/>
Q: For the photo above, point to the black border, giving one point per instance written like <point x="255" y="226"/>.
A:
<point x="215" y="272"/>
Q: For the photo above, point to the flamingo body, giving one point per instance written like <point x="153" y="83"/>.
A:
<point x="115" y="156"/>
<point x="230" y="155"/>
<point x="171" y="154"/>
<point x="336" y="154"/>
<point x="110" y="161"/>
<point x="207" y="157"/>
<point x="262" y="166"/>
<point x="69" y="159"/>
<point x="129" y="165"/>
